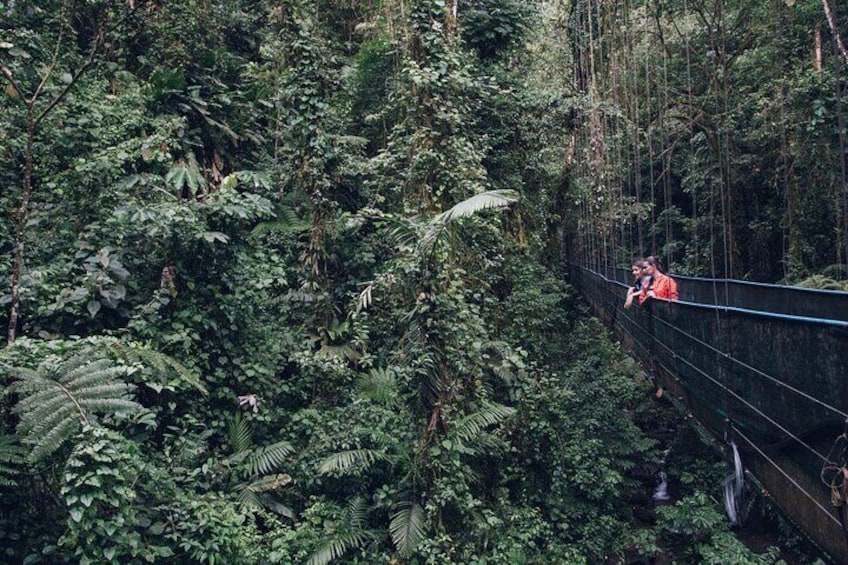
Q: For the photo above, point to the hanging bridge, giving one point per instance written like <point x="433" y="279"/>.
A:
<point x="764" y="368"/>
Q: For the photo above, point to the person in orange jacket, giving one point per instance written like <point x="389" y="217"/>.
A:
<point x="663" y="286"/>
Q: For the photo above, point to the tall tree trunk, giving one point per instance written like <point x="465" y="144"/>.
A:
<point x="21" y="217"/>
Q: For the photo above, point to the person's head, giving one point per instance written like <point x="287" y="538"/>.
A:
<point x="651" y="266"/>
<point x="636" y="267"/>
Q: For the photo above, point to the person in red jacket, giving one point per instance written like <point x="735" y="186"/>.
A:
<point x="662" y="285"/>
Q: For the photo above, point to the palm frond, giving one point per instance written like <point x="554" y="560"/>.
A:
<point x="239" y="433"/>
<point x="407" y="527"/>
<point x="268" y="458"/>
<point x="269" y="483"/>
<point x="337" y="547"/>
<point x="247" y="497"/>
<point x="12" y="456"/>
<point x="351" y="534"/>
<point x="259" y="493"/>
<point x="350" y="460"/>
<point x="473" y="425"/>
<point x="484" y="444"/>
<point x="56" y="399"/>
<point x="357" y="513"/>
<point x="404" y="233"/>
<point x="489" y="200"/>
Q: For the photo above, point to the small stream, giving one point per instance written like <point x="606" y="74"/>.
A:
<point x="661" y="492"/>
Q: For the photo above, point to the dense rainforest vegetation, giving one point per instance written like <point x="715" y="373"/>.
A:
<point x="285" y="278"/>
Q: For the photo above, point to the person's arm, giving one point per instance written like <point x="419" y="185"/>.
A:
<point x="628" y="301"/>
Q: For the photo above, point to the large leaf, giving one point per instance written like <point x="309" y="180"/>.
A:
<point x="56" y="400"/>
<point x="407" y="527"/>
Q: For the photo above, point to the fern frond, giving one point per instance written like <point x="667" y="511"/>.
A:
<point x="379" y="385"/>
<point x="484" y="444"/>
<point x="337" y="547"/>
<point x="407" y="528"/>
<point x="239" y="433"/>
<point x="268" y="458"/>
<point x="11" y="457"/>
<point x="247" y="497"/>
<point x="254" y="494"/>
<point x="269" y="483"/>
<point x="295" y="225"/>
<point x="76" y="368"/>
<point x="473" y="425"/>
<point x="50" y="442"/>
<point x="357" y="513"/>
<point x="350" y="460"/>
<point x="57" y="399"/>
<point x="492" y="199"/>
<point x="162" y="365"/>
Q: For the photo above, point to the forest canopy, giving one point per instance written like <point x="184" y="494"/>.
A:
<point x="283" y="281"/>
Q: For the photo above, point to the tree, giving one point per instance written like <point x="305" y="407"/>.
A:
<point x="40" y="93"/>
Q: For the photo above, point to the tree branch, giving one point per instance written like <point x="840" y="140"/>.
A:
<point x="831" y="22"/>
<point x="11" y="78"/>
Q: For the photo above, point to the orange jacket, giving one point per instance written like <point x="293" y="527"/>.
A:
<point x="663" y="286"/>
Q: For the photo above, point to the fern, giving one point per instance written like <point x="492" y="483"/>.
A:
<point x="379" y="385"/>
<point x="250" y="461"/>
<point x="239" y="434"/>
<point x="351" y="534"/>
<point x="493" y="199"/>
<point x="350" y="460"/>
<point x="470" y="433"/>
<point x="407" y="527"/>
<point x="57" y="399"/>
<point x="254" y="465"/>
<point x="268" y="458"/>
<point x="288" y="222"/>
<point x="255" y="493"/>
<point x="12" y="456"/>
<point x="160" y="363"/>
<point x="337" y="547"/>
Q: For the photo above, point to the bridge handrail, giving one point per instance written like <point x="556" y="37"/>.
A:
<point x="752" y="312"/>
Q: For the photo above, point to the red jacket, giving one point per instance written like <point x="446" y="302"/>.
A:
<point x="663" y="286"/>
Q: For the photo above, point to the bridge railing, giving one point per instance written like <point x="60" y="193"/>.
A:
<point x="772" y="298"/>
<point x="773" y="379"/>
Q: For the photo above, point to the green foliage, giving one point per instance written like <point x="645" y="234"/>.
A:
<point x="104" y="523"/>
<point x="253" y="471"/>
<point x="12" y="457"/>
<point x="823" y="282"/>
<point x="286" y="210"/>
<point x="211" y="530"/>
<point x="348" y="534"/>
<point x="407" y="528"/>
<point x="492" y="28"/>
<point x="708" y="540"/>
<point x="58" y="399"/>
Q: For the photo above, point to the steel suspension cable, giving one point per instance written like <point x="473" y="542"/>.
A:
<point x="786" y="475"/>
